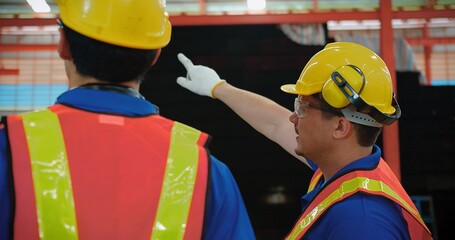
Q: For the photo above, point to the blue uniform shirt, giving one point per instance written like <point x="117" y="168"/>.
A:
<point x="222" y="222"/>
<point x="360" y="216"/>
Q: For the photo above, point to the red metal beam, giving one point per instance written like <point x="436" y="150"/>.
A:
<point x="390" y="138"/>
<point x="21" y="22"/>
<point x="9" y="72"/>
<point x="313" y="17"/>
<point x="315" y="5"/>
<point x="430" y="41"/>
<point x="424" y="13"/>
<point x="427" y="55"/>
<point x="318" y="16"/>
<point x="27" y="47"/>
<point x="202" y="6"/>
<point x="427" y="42"/>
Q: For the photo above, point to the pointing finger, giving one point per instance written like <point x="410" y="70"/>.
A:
<point x="185" y="61"/>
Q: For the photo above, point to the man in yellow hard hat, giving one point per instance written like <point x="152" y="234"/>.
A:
<point x="344" y="97"/>
<point x="101" y="163"/>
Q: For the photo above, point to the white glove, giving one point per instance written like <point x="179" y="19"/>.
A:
<point x="200" y="79"/>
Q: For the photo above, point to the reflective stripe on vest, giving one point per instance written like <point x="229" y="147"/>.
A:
<point x="314" y="180"/>
<point x="52" y="181"/>
<point x="350" y="184"/>
<point x="51" y="176"/>
<point x="178" y="184"/>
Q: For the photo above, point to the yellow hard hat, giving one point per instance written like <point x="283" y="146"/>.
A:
<point x="348" y="74"/>
<point x="126" y="23"/>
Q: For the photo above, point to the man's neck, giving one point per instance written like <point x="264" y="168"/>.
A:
<point x="79" y="81"/>
<point x="339" y="160"/>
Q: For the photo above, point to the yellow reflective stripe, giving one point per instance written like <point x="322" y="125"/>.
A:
<point x="345" y="188"/>
<point x="51" y="177"/>
<point x="178" y="184"/>
<point x="314" y="181"/>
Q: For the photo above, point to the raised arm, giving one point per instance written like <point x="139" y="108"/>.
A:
<point x="263" y="114"/>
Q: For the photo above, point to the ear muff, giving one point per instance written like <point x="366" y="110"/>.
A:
<point x="344" y="87"/>
<point x="345" y="83"/>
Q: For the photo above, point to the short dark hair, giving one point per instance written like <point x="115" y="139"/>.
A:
<point x="366" y="135"/>
<point x="105" y="61"/>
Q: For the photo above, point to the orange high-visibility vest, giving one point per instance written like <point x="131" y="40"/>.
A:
<point x="83" y="175"/>
<point x="379" y="181"/>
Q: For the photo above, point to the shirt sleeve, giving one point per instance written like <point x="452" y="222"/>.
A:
<point x="361" y="216"/>
<point x="5" y="183"/>
<point x="226" y="216"/>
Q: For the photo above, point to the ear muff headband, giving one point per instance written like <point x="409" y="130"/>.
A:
<point x="360" y="105"/>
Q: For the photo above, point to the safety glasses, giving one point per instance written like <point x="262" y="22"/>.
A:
<point x="301" y="108"/>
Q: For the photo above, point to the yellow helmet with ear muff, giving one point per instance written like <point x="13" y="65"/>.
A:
<point x="348" y="74"/>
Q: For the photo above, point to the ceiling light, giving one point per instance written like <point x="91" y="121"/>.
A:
<point x="256" y="4"/>
<point x="39" y="6"/>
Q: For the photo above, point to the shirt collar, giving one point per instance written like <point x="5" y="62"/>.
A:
<point x="368" y="162"/>
<point x="109" y="102"/>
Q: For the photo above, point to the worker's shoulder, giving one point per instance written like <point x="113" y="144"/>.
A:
<point x="366" y="207"/>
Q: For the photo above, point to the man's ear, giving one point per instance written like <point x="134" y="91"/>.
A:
<point x="63" y="46"/>
<point x="157" y="55"/>
<point x="343" y="129"/>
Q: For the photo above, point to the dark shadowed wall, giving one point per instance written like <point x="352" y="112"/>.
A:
<point x="261" y="59"/>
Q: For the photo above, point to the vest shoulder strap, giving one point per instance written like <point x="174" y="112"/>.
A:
<point x="379" y="181"/>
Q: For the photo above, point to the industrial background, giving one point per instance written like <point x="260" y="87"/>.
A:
<point x="259" y="48"/>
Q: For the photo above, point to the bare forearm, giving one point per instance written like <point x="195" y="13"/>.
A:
<point x="263" y="114"/>
<point x="260" y="112"/>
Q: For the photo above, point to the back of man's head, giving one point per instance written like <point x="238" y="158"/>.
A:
<point x="114" y="41"/>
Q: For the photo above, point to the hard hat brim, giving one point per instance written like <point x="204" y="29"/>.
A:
<point x="289" y="88"/>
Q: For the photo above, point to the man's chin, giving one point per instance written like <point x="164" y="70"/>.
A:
<point x="300" y="153"/>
